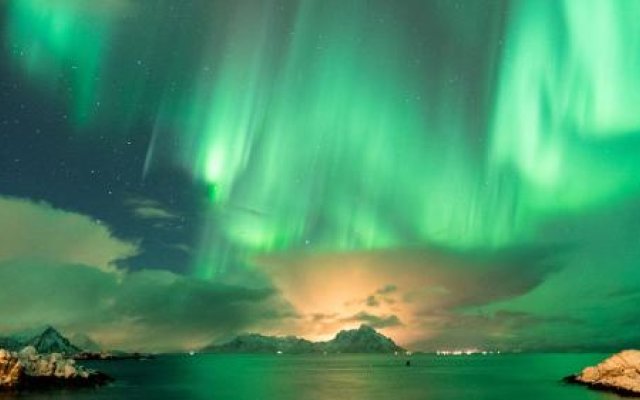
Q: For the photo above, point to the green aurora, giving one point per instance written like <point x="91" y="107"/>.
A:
<point x="340" y="126"/>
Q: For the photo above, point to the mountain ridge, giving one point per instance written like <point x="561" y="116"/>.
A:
<point x="48" y="341"/>
<point x="364" y="339"/>
<point x="52" y="341"/>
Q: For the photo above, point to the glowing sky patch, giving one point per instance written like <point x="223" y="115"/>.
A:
<point x="409" y="293"/>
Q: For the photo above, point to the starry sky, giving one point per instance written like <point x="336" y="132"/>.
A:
<point x="453" y="173"/>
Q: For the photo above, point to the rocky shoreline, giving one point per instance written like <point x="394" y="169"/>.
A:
<point x="28" y="370"/>
<point x="110" y="356"/>
<point x="619" y="374"/>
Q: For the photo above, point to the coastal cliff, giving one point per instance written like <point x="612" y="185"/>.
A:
<point x="619" y="373"/>
<point x="27" y="369"/>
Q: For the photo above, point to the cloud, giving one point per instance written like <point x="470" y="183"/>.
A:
<point x="148" y="309"/>
<point x="374" y="321"/>
<point x="185" y="248"/>
<point x="501" y="329"/>
<point x="150" y="209"/>
<point x="387" y="289"/>
<point x="58" y="267"/>
<point x="430" y="286"/>
<point x="372" y="301"/>
<point x="37" y="231"/>
<point x="324" y="317"/>
<point x="154" y="213"/>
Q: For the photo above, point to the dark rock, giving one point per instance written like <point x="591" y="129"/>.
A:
<point x="95" y="379"/>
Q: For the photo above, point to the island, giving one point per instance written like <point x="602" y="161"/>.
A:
<point x="364" y="339"/>
<point x="619" y="374"/>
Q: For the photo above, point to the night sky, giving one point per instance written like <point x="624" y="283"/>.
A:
<point x="454" y="173"/>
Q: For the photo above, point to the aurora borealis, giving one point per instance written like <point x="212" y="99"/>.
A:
<point x="457" y="172"/>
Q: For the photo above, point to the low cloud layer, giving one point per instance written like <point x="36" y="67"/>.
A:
<point x="38" y="232"/>
<point x="580" y="295"/>
<point x="375" y="321"/>
<point x="152" y="310"/>
<point x="149" y="209"/>
<point x="57" y="268"/>
<point x="412" y="295"/>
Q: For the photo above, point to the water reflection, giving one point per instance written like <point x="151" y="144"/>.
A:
<point x="355" y="377"/>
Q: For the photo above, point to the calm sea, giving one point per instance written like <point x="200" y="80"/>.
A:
<point x="336" y="377"/>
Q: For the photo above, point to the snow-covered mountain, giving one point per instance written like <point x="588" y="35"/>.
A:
<point x="51" y="341"/>
<point x="48" y="341"/>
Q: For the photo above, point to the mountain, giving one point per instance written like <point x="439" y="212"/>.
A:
<point x="365" y="339"/>
<point x="10" y="343"/>
<point x="362" y="340"/>
<point x="49" y="341"/>
<point x="255" y="343"/>
<point x="85" y="342"/>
